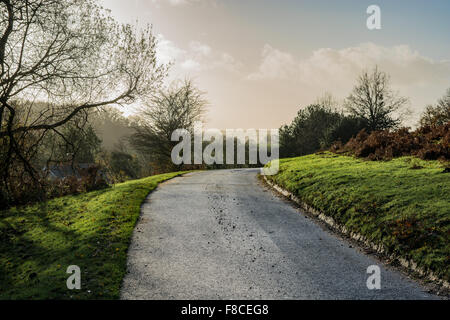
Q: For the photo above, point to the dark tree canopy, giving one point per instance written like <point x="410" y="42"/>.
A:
<point x="317" y="127"/>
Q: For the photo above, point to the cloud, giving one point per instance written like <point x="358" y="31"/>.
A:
<point x="275" y="65"/>
<point x="196" y="57"/>
<point x="181" y="2"/>
<point x="206" y="58"/>
<point x="167" y="51"/>
<point x="190" y="64"/>
<point x="200" y="48"/>
<point x="406" y="66"/>
<point x="336" y="70"/>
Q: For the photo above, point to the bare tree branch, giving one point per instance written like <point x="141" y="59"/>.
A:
<point x="70" y="56"/>
<point x="373" y="101"/>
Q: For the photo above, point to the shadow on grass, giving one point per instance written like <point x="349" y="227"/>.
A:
<point x="39" y="244"/>
<point x="92" y="231"/>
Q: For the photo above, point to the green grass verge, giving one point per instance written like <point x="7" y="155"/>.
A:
<point x="403" y="204"/>
<point x="91" y="230"/>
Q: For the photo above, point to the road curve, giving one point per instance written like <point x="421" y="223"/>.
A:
<point x="221" y="235"/>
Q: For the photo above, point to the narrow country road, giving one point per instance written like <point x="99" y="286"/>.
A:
<point x="222" y="235"/>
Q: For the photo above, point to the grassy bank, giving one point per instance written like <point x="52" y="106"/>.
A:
<point x="91" y="230"/>
<point x="403" y="204"/>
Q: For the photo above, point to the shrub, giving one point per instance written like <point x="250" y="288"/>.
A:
<point x="427" y="143"/>
<point x="28" y="191"/>
<point x="438" y="114"/>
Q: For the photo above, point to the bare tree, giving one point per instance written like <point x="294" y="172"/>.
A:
<point x="178" y="107"/>
<point x="439" y="114"/>
<point x="373" y="101"/>
<point x="328" y="101"/>
<point x="72" y="55"/>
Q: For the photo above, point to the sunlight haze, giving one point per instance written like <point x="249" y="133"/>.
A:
<point x="259" y="62"/>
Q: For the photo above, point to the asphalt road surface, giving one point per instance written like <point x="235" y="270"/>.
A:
<point x="222" y="235"/>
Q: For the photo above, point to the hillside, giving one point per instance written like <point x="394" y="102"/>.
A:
<point x="91" y="230"/>
<point x="403" y="204"/>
